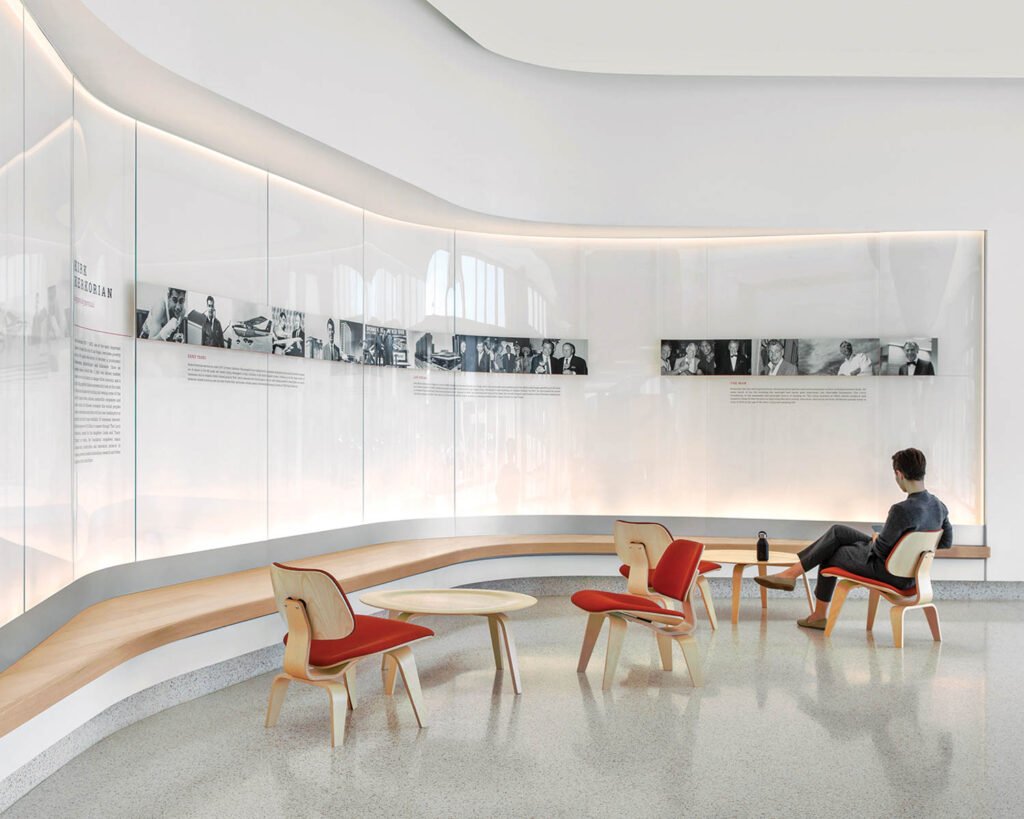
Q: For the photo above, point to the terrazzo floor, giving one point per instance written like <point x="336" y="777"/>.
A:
<point x="788" y="724"/>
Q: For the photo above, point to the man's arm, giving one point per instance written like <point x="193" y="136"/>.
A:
<point x="947" y="534"/>
<point x="892" y="531"/>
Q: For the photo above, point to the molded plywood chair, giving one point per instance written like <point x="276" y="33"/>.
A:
<point x="655" y="538"/>
<point x="912" y="556"/>
<point x="672" y="581"/>
<point x="326" y="639"/>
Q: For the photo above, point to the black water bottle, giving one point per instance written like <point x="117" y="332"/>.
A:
<point x="762" y="546"/>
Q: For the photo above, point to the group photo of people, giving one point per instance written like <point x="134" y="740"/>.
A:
<point x="849" y="357"/>
<point x="705" y="357"/>
<point x="533" y="356"/>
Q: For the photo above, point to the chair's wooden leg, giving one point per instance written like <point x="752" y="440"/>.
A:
<point x="665" y="649"/>
<point x="510" y="652"/>
<point x="737" y="586"/>
<point x="407" y="665"/>
<point x="594" y="623"/>
<point x="691" y="653"/>
<point x="932" y="614"/>
<point x="390" y="673"/>
<point x="872" y="608"/>
<point x="616" y="632"/>
<point x="896" y="616"/>
<point x="350" y="685"/>
<point x="762" y="570"/>
<point x="278" y="688"/>
<point x="492" y="624"/>
<point x="709" y="603"/>
<point x="688" y="611"/>
<point x="339" y="707"/>
<point x="838" y="599"/>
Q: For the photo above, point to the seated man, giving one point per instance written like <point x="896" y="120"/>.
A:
<point x="849" y="549"/>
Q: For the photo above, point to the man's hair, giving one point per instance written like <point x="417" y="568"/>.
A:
<point x="776" y="343"/>
<point x="911" y="462"/>
<point x="209" y="300"/>
<point x="330" y="323"/>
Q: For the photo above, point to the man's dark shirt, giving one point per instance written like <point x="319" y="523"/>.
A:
<point x="920" y="512"/>
<point x="213" y="335"/>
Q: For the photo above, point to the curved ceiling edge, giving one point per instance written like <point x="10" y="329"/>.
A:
<point x="165" y="100"/>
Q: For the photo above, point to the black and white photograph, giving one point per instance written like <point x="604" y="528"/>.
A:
<point x="350" y="340"/>
<point x="778" y="356"/>
<point x="322" y="338"/>
<point x="535" y="356"/>
<point x="288" y="332"/>
<point x="161" y="313"/>
<point x="230" y="324"/>
<point x="385" y="347"/>
<point x="483" y="354"/>
<point x="434" y="351"/>
<point x="909" y="356"/>
<point x="838" y="356"/>
<point x="705" y="356"/>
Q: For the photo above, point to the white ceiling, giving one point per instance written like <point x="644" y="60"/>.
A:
<point x="780" y="38"/>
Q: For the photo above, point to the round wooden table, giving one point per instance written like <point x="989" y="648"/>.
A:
<point x="741" y="558"/>
<point x="404" y="604"/>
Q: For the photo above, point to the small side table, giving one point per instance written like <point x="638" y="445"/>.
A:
<point x="404" y="604"/>
<point x="741" y="558"/>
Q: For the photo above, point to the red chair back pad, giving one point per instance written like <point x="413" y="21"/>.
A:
<point x="653" y="536"/>
<point x="902" y="560"/>
<point x="328" y="609"/>
<point x="677" y="569"/>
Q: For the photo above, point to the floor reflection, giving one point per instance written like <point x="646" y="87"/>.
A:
<point x="789" y="723"/>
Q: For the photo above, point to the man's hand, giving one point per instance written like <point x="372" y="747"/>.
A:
<point x="168" y="329"/>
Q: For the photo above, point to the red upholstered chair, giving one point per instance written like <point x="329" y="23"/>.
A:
<point x="326" y="639"/>
<point x="912" y="556"/>
<point x="672" y="581"/>
<point x="655" y="539"/>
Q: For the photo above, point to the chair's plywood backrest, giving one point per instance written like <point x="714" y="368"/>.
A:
<point x="903" y="559"/>
<point x="677" y="570"/>
<point x="655" y="538"/>
<point x="330" y="615"/>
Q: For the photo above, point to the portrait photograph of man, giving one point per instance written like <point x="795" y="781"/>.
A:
<point x="910" y="356"/>
<point x="732" y="356"/>
<point x="160" y="313"/>
<point x="849" y="357"/>
<point x="779" y="356"/>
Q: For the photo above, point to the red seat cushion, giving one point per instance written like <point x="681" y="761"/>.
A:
<point x="703" y="567"/>
<point x="371" y="634"/>
<point x="597" y="601"/>
<point x="837" y="572"/>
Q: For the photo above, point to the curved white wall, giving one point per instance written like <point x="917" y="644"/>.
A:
<point x="531" y="143"/>
<point x="580" y="118"/>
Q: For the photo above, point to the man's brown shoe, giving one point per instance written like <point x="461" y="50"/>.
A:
<point x="807" y="622"/>
<point x="773" y="581"/>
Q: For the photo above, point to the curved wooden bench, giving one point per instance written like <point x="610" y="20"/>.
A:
<point x="109" y="633"/>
